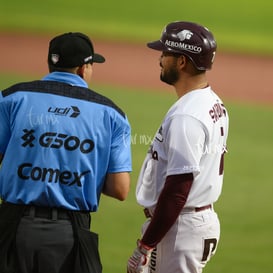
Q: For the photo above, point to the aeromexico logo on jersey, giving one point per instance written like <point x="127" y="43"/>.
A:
<point x="27" y="171"/>
<point x="72" y="111"/>
<point x="55" y="140"/>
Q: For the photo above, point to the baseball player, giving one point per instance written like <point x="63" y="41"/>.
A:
<point x="61" y="145"/>
<point x="182" y="174"/>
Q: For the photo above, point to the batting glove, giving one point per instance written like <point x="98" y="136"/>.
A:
<point x="140" y="258"/>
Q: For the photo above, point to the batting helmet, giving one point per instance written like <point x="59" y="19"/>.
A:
<point x="190" y="39"/>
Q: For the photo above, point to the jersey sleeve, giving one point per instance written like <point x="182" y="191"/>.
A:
<point x="185" y="138"/>
<point x="4" y="126"/>
<point x="120" y="154"/>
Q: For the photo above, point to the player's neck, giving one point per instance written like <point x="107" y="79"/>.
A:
<point x="190" y="83"/>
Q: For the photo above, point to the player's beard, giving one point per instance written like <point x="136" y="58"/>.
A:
<point x="170" y="75"/>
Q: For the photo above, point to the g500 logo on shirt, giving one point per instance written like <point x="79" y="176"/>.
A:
<point x="27" y="171"/>
<point x="57" y="141"/>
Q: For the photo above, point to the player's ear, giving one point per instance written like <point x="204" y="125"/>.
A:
<point x="182" y="60"/>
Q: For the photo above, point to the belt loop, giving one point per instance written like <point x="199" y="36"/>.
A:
<point x="32" y="211"/>
<point x="54" y="214"/>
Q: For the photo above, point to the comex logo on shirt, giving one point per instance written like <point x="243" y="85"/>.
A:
<point x="27" y="171"/>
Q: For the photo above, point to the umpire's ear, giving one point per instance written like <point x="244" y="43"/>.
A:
<point x="80" y="71"/>
<point x="85" y="72"/>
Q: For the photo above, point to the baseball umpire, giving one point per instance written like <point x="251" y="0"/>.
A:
<point x="61" y="146"/>
<point x="182" y="174"/>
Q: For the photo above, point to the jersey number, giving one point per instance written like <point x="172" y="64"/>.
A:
<point x="209" y="248"/>
<point x="221" y="167"/>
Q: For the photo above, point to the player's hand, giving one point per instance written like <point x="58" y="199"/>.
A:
<point x="140" y="258"/>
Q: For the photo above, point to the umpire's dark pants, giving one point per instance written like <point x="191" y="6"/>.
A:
<point x="44" y="245"/>
<point x="47" y="240"/>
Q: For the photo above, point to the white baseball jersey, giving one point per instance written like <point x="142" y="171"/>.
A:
<point x="191" y="139"/>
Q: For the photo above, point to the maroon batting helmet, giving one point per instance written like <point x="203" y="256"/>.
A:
<point x="190" y="39"/>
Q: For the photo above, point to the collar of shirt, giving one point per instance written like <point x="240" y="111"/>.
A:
<point x="65" y="77"/>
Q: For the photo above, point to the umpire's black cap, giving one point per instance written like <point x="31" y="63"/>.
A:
<point x="72" y="49"/>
